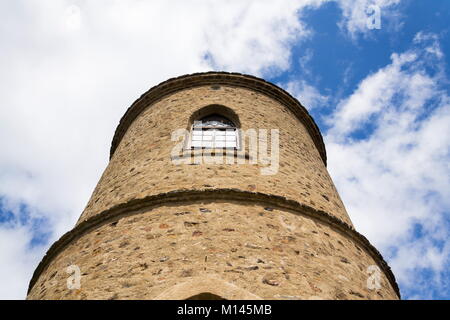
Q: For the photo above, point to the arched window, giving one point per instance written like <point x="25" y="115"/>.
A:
<point x="214" y="131"/>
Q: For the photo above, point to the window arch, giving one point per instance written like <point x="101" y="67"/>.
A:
<point x="214" y="131"/>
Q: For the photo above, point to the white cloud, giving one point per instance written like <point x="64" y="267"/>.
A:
<point x="254" y="37"/>
<point x="357" y="13"/>
<point x="16" y="257"/>
<point x="389" y="151"/>
<point x="305" y="60"/>
<point x="377" y="90"/>
<point x="301" y="88"/>
<point x="307" y="94"/>
<point x="434" y="47"/>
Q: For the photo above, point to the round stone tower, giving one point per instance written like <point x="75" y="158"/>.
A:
<point x="216" y="188"/>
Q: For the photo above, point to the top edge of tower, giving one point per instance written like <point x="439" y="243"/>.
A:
<point x="219" y="78"/>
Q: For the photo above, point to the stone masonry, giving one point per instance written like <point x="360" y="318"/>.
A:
<point x="156" y="230"/>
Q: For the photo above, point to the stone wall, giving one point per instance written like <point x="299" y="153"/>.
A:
<point x="267" y="252"/>
<point x="156" y="230"/>
<point x="141" y="165"/>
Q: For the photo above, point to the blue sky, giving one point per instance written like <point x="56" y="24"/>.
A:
<point x="70" y="69"/>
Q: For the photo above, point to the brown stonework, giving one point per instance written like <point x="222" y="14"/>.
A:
<point x="156" y="230"/>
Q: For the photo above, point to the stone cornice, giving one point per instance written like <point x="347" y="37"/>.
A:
<point x="182" y="196"/>
<point x="219" y="78"/>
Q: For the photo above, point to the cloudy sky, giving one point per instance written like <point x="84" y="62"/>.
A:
<point x="379" y="92"/>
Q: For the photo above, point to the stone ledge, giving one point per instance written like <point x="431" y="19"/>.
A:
<point x="229" y="156"/>
<point x="219" y="78"/>
<point x="133" y="206"/>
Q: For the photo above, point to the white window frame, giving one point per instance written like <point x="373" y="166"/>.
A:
<point x="214" y="129"/>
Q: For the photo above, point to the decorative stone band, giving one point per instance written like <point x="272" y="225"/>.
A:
<point x="182" y="196"/>
<point x="229" y="156"/>
<point x="219" y="78"/>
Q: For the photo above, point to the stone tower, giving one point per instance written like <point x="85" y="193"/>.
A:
<point x="164" y="222"/>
